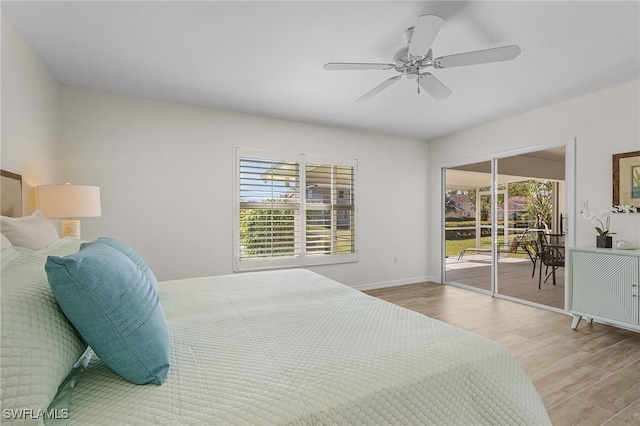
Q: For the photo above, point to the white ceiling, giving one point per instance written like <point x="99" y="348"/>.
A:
<point x="266" y="57"/>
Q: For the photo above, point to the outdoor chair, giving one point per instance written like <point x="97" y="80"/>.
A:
<point x="535" y="249"/>
<point x="518" y="244"/>
<point x="551" y="254"/>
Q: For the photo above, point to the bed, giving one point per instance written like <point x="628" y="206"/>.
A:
<point x="273" y="347"/>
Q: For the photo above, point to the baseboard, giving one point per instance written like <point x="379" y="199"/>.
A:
<point x="395" y="283"/>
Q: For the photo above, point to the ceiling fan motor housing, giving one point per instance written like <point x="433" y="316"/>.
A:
<point x="410" y="65"/>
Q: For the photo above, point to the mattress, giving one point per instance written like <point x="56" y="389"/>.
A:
<point x="294" y="347"/>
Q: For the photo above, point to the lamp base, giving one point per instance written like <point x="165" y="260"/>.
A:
<point x="71" y="228"/>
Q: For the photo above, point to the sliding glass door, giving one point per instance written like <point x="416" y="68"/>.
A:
<point x="496" y="213"/>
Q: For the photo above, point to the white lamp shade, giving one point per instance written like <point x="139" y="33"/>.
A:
<point x="67" y="201"/>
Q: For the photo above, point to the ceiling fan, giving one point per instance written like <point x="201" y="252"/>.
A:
<point x="417" y="55"/>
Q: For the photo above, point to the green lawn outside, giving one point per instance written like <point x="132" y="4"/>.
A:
<point x="454" y="247"/>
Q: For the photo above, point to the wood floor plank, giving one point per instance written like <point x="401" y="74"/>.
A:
<point x="577" y="412"/>
<point x="629" y="416"/>
<point x="617" y="391"/>
<point x="617" y="356"/>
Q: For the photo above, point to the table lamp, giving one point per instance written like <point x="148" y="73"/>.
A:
<point x="68" y="201"/>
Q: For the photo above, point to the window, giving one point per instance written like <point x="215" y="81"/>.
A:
<point x="294" y="210"/>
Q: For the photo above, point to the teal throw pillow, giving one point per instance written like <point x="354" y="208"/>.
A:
<point x="129" y="252"/>
<point x="115" y="308"/>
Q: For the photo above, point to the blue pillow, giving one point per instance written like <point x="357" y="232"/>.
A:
<point x="115" y="308"/>
<point x="129" y="252"/>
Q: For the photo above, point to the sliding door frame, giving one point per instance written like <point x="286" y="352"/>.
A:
<point x="568" y="223"/>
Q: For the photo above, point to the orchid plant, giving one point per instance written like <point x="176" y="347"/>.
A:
<point x="603" y="218"/>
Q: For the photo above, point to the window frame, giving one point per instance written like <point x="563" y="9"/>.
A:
<point x="301" y="258"/>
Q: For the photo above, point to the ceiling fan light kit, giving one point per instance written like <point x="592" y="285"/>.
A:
<point x="411" y="60"/>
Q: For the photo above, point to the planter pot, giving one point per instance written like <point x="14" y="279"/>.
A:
<point x="604" y="241"/>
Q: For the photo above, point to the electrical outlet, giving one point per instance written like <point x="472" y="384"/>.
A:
<point x="395" y="259"/>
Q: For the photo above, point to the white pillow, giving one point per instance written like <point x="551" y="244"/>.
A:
<point x="34" y="232"/>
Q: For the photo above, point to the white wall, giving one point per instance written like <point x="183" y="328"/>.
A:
<point x="30" y="115"/>
<point x="603" y="123"/>
<point x="166" y="175"/>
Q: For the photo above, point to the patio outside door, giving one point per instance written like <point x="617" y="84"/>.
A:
<point x="494" y="214"/>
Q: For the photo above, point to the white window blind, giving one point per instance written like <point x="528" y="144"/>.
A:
<point x="269" y="204"/>
<point x="330" y="219"/>
<point x="287" y="217"/>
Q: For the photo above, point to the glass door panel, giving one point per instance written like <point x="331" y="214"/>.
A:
<point x="467" y="225"/>
<point x="530" y="210"/>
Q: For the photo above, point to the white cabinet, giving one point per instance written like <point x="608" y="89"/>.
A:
<point x="604" y="286"/>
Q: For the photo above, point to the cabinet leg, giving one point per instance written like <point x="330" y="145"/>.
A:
<point x="576" y="321"/>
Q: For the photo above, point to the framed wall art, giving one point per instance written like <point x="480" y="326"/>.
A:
<point x="626" y="180"/>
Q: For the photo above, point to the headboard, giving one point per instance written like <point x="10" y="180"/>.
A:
<point x="10" y="194"/>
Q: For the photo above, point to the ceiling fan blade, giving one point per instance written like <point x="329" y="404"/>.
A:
<point x="370" y="94"/>
<point x="434" y="86"/>
<point x="357" y="66"/>
<point x="497" y="54"/>
<point x="424" y="33"/>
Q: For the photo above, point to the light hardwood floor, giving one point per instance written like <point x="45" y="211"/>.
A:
<point x="589" y="376"/>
